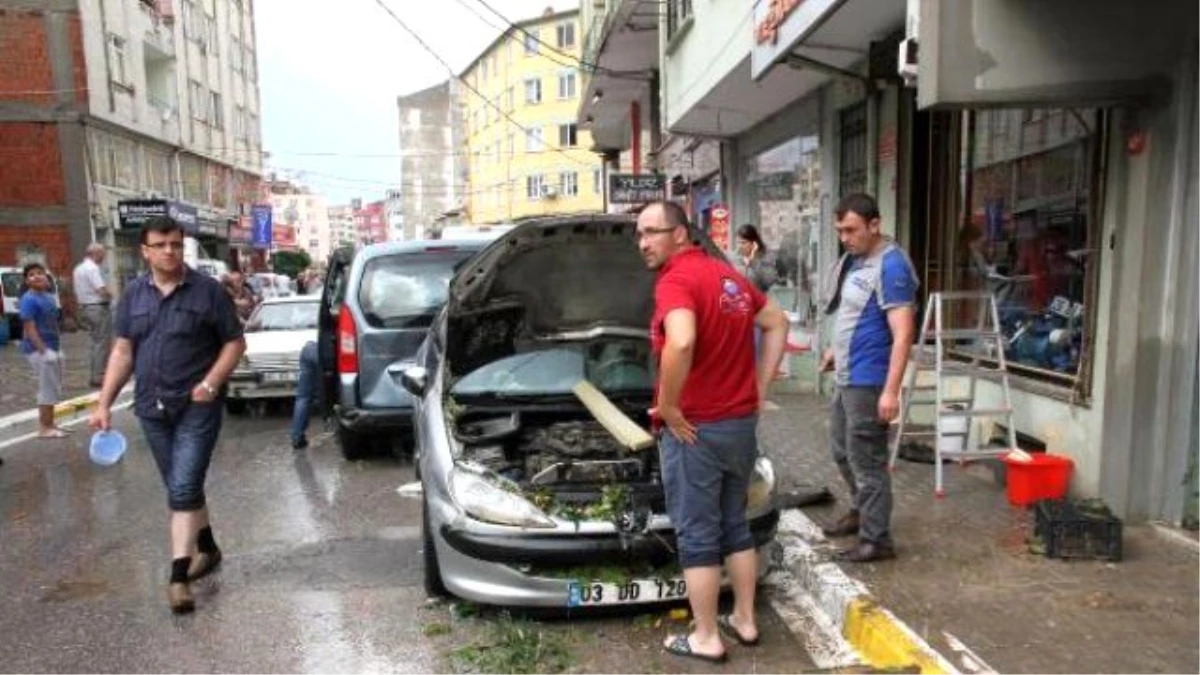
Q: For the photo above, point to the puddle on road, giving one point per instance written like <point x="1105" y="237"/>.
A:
<point x="66" y="590"/>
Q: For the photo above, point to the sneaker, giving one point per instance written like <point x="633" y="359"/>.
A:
<point x="300" y="443"/>
<point x="179" y="597"/>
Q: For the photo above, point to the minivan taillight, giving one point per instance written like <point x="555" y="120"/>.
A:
<point x="347" y="343"/>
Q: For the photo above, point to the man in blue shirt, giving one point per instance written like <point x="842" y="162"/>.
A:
<point x="39" y="316"/>
<point x="178" y="331"/>
<point x="874" y="293"/>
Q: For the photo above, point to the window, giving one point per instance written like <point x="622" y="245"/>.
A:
<point x="407" y="290"/>
<point x="1028" y="236"/>
<point x="512" y="144"/>
<point x="597" y="185"/>
<point x="496" y="108"/>
<point x="252" y="128"/>
<point x="533" y="90"/>
<point x="198" y="101"/>
<point x="210" y="34"/>
<point x="235" y="55"/>
<point x="239" y="123"/>
<point x="191" y="25"/>
<point x="566" y="84"/>
<point x="531" y="42"/>
<point x="566" y="35"/>
<point x="118" y="73"/>
<point x="483" y="67"/>
<point x="510" y="102"/>
<point x="534" y="187"/>
<point x="533" y="140"/>
<point x="216" y="114"/>
<point x="248" y="62"/>
<point x="568" y="182"/>
<point x="567" y="135"/>
<point x="678" y="14"/>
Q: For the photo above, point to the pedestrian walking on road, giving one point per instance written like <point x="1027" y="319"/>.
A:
<point x="708" y="397"/>
<point x="178" y="332"/>
<point x="308" y="394"/>
<point x="243" y="298"/>
<point x="40" y="344"/>
<point x="95" y="304"/>
<point x="872" y="292"/>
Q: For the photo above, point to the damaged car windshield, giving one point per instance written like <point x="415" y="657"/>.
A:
<point x="402" y="291"/>
<point x="611" y="365"/>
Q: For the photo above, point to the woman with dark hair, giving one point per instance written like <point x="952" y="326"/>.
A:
<point x="753" y="261"/>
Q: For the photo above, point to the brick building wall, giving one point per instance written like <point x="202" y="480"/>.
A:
<point x="34" y="196"/>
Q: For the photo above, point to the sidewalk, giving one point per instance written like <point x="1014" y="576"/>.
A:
<point x="17" y="385"/>
<point x="964" y="575"/>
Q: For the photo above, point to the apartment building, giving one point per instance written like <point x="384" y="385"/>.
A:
<point x="524" y="151"/>
<point x="112" y="110"/>
<point x="300" y="220"/>
<point x="432" y="173"/>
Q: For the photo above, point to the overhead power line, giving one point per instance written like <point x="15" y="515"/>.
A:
<point x="466" y="84"/>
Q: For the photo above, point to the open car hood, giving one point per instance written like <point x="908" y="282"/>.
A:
<point x="545" y="278"/>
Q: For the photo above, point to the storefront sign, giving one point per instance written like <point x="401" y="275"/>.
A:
<point x="626" y="188"/>
<point x="260" y="235"/>
<point x="776" y="187"/>
<point x="719" y="226"/>
<point x="133" y="213"/>
<point x="779" y="25"/>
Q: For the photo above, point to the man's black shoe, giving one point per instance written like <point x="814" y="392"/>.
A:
<point x="846" y="526"/>
<point x="300" y="443"/>
<point x="865" y="551"/>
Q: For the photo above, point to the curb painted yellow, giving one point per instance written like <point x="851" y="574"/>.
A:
<point x="75" y="405"/>
<point x="884" y="642"/>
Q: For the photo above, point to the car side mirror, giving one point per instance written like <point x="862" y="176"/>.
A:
<point x="415" y="380"/>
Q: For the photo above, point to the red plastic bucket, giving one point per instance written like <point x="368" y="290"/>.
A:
<point x="1045" y="477"/>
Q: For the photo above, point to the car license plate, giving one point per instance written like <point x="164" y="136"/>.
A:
<point x="279" y="377"/>
<point x="634" y="591"/>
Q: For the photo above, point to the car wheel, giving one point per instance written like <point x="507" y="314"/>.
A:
<point x="434" y="587"/>
<point x="354" y="446"/>
<point x="235" y="406"/>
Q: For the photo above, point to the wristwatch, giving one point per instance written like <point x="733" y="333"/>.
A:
<point x="208" y="387"/>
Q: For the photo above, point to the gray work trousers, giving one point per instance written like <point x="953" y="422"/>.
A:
<point x="98" y="319"/>
<point x="859" y="442"/>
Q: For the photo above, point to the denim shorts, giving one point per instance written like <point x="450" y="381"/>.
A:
<point x="182" y="447"/>
<point x="706" y="487"/>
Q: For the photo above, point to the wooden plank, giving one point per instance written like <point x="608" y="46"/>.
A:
<point x="626" y="431"/>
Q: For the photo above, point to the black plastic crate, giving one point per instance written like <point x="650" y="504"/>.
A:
<point x="1069" y="529"/>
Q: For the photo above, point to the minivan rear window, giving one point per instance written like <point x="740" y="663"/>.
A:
<point x="406" y="290"/>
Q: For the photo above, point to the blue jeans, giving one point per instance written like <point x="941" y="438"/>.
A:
<point x="706" y="487"/>
<point x="308" y="389"/>
<point x="182" y="447"/>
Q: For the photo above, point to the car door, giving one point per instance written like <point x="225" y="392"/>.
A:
<point x="333" y="296"/>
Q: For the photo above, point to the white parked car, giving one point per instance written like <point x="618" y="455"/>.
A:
<point x="275" y="334"/>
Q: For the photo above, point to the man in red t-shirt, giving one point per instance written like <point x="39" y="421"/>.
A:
<point x="707" y="397"/>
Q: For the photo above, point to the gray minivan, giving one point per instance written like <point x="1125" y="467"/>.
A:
<point x="376" y="307"/>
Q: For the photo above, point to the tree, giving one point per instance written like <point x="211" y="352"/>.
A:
<point x="291" y="263"/>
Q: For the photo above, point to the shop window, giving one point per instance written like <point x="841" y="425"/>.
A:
<point x="785" y="194"/>
<point x="1028" y="234"/>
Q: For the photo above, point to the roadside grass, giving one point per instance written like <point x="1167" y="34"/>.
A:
<point x="514" y="646"/>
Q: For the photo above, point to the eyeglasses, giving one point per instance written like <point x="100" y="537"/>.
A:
<point x="647" y="231"/>
<point x="164" y="245"/>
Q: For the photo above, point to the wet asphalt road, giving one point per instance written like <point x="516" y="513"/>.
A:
<point x="322" y="571"/>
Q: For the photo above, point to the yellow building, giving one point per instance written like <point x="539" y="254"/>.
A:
<point x="544" y="165"/>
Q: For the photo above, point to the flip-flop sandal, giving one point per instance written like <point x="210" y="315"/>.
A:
<point x="679" y="646"/>
<point x="725" y="623"/>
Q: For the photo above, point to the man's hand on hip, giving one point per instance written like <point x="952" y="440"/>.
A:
<point x="673" y="417"/>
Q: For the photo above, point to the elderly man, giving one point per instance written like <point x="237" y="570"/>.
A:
<point x="94" y="298"/>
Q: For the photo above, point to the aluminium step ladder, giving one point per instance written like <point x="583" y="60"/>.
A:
<point x="984" y="360"/>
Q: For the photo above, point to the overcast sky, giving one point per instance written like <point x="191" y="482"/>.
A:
<point x="330" y="72"/>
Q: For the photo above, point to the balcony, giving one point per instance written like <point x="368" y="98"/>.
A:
<point x="159" y="43"/>
<point x="621" y="46"/>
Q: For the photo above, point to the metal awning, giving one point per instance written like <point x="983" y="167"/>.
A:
<point x="834" y="34"/>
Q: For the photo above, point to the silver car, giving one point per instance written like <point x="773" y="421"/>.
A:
<point x="528" y="500"/>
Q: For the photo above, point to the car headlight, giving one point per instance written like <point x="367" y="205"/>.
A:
<point x="491" y="498"/>
<point x="762" y="487"/>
